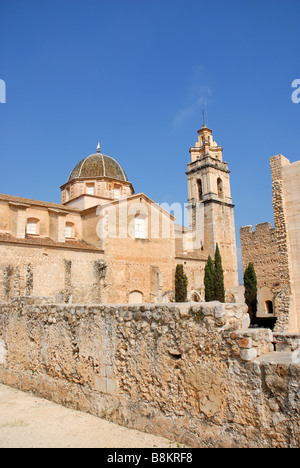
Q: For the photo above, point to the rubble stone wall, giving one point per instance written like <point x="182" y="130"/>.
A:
<point x="286" y="305"/>
<point x="286" y="199"/>
<point x="189" y="372"/>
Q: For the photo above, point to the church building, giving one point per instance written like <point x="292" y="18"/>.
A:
<point x="104" y="243"/>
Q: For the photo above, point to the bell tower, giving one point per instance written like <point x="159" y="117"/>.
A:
<point x="210" y="208"/>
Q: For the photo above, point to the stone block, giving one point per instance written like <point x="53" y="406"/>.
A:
<point x="248" y="354"/>
<point x="3" y="352"/>
<point x="245" y="343"/>
<point x="219" y="311"/>
<point x="100" y="384"/>
<point x="112" y="386"/>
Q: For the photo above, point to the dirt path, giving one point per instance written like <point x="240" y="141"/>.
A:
<point x="31" y="422"/>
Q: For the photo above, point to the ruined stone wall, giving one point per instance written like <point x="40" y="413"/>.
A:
<point x="291" y="186"/>
<point x="286" y="199"/>
<point x="275" y="252"/>
<point x="188" y="372"/>
<point x="259" y="248"/>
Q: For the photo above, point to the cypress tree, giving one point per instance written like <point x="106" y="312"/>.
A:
<point x="250" y="284"/>
<point x="209" y="280"/>
<point x="181" y="283"/>
<point x="219" y="277"/>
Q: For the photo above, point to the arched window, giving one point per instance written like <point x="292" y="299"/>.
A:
<point x="200" y="191"/>
<point x="32" y="226"/>
<point x="195" y="297"/>
<point x="220" y="188"/>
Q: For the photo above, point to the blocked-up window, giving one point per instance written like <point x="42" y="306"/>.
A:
<point x="136" y="297"/>
<point x="117" y="192"/>
<point x="90" y="189"/>
<point x="32" y="226"/>
<point x="69" y="231"/>
<point x="139" y="228"/>
<point x="68" y="192"/>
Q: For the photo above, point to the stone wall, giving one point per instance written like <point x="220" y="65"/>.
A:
<point x="191" y="373"/>
<point x="275" y="252"/>
<point x="64" y="273"/>
<point x="86" y="276"/>
<point x="286" y="198"/>
<point x="259" y="247"/>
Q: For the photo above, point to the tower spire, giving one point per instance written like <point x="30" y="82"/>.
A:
<point x="98" y="148"/>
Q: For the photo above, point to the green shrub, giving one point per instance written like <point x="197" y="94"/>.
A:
<point x="181" y="283"/>
<point x="250" y="284"/>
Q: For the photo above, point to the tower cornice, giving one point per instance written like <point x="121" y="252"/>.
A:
<point x="207" y="161"/>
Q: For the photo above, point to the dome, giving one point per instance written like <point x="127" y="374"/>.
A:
<point x="98" y="165"/>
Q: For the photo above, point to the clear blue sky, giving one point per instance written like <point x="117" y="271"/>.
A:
<point x="134" y="74"/>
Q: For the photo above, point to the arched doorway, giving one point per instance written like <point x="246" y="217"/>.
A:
<point x="196" y="296"/>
